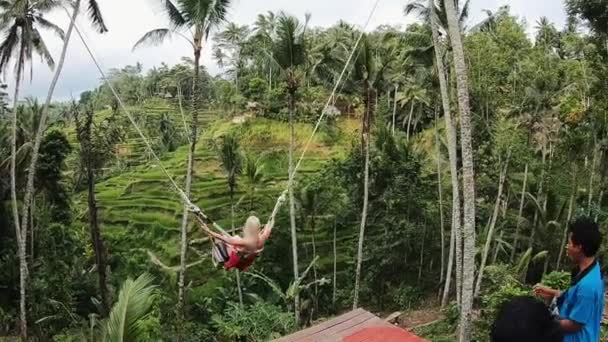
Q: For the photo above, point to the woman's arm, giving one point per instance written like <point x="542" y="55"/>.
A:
<point x="232" y="240"/>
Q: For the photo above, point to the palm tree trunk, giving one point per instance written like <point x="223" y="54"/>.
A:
<point x="237" y="272"/>
<point x="538" y="196"/>
<point x="591" y="175"/>
<point x="468" y="265"/>
<point x="23" y="270"/>
<point x="394" y="107"/>
<point x="440" y="192"/>
<point x="409" y="121"/>
<point x="292" y="208"/>
<point x="569" y="216"/>
<point x="455" y="241"/>
<point x="29" y="188"/>
<point x="489" y="238"/>
<point x="599" y="205"/>
<point x="335" y="268"/>
<point x="314" y="255"/>
<point x="366" y="145"/>
<point x="519" y="215"/>
<point x="181" y="302"/>
<point x="421" y="254"/>
<point x="362" y="228"/>
<point x="96" y="240"/>
<point x="189" y="175"/>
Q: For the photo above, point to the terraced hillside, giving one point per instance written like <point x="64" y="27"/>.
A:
<point x="140" y="211"/>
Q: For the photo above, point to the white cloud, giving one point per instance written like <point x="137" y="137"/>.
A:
<point x="128" y="20"/>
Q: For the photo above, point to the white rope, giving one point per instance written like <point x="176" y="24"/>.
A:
<point x="333" y="93"/>
<point x="192" y="207"/>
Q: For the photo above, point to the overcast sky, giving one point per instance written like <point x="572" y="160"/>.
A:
<point x="128" y="20"/>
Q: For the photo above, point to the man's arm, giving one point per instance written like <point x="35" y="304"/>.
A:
<point x="569" y="326"/>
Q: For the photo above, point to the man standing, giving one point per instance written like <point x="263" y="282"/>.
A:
<point x="581" y="306"/>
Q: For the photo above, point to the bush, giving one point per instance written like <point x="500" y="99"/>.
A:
<point x="407" y="297"/>
<point x="557" y="280"/>
<point x="257" y="322"/>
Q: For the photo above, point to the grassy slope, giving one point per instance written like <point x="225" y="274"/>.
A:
<point x="139" y="209"/>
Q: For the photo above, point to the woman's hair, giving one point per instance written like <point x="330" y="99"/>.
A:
<point x="252" y="222"/>
<point x="525" y="319"/>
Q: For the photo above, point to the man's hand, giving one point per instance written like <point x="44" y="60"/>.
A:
<point x="545" y="292"/>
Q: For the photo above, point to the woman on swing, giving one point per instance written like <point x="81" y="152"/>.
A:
<point x="236" y="251"/>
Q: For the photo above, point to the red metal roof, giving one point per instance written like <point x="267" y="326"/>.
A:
<point x="353" y="326"/>
<point x="382" y="334"/>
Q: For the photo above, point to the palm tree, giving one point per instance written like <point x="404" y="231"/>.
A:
<point x="192" y="20"/>
<point x="89" y="159"/>
<point x="468" y="171"/>
<point x="20" y="21"/>
<point x="433" y="15"/>
<point x="232" y="162"/>
<point x="254" y="176"/>
<point x="96" y="18"/>
<point x="135" y="303"/>
<point x="289" y="53"/>
<point x="265" y="28"/>
<point x="413" y="94"/>
<point x="230" y="43"/>
<point x="366" y="74"/>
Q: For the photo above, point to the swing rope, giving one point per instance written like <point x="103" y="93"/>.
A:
<point x="201" y="216"/>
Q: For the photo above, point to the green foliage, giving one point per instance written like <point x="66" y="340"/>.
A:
<point x="557" y="280"/>
<point x="406" y="297"/>
<point x="129" y="316"/>
<point x="255" y="323"/>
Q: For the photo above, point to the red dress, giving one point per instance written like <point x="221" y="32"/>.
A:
<point x="240" y="262"/>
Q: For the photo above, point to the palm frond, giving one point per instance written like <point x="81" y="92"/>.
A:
<point x="40" y="47"/>
<point x="464" y="11"/>
<point x="218" y="12"/>
<point x="96" y="17"/>
<point x="9" y="46"/>
<point x="154" y="37"/>
<point x="50" y="26"/>
<point x="176" y="18"/>
<point x="134" y="304"/>
<point x="289" y="50"/>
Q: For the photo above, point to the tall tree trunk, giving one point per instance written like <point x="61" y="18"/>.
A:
<point x="292" y="208"/>
<point x="538" y="197"/>
<point x="181" y="300"/>
<point x="591" y="176"/>
<point x="366" y="145"/>
<point x="420" y="266"/>
<point x="409" y="121"/>
<point x="395" y="107"/>
<point x="519" y="215"/>
<point x="440" y="193"/>
<point x="96" y="239"/>
<point x="335" y="268"/>
<point x="314" y="255"/>
<point x="568" y="217"/>
<point x="181" y="303"/>
<point x="490" y="237"/>
<point x="468" y="171"/>
<point x="505" y="207"/>
<point x="450" y="129"/>
<point x="237" y="272"/>
<point x="599" y="205"/>
<point x="23" y="271"/>
<point x="29" y="188"/>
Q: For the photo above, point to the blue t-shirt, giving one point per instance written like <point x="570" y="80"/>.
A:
<point x="584" y="303"/>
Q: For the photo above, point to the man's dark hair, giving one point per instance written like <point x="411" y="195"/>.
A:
<point x="586" y="233"/>
<point x="525" y="319"/>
